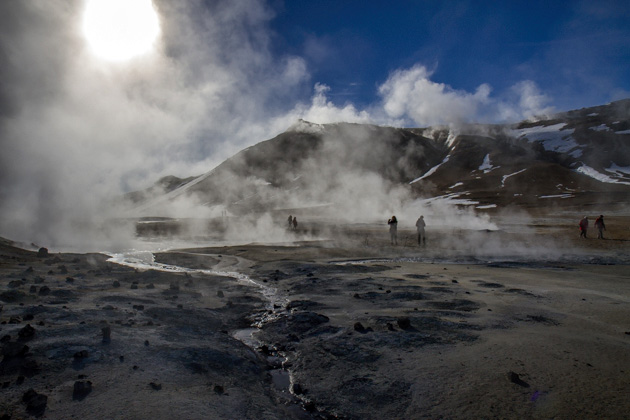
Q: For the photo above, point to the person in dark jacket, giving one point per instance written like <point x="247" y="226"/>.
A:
<point x="583" y="227"/>
<point x="422" y="239"/>
<point x="393" y="230"/>
<point x="600" y="226"/>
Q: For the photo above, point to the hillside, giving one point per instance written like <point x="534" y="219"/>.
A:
<point x="576" y="159"/>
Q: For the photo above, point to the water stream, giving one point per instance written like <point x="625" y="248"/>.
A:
<point x="275" y="307"/>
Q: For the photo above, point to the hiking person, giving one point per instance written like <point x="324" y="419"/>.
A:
<point x="290" y="220"/>
<point x="420" y="224"/>
<point x="583" y="227"/>
<point x="393" y="230"/>
<point x="294" y="223"/>
<point x="600" y="226"/>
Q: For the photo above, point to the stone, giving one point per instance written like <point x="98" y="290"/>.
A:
<point x="404" y="323"/>
<point x="35" y="402"/>
<point x="27" y="332"/>
<point x="359" y="327"/>
<point x="42" y="253"/>
<point x="81" y="390"/>
<point x="44" y="291"/>
<point x="106" y="332"/>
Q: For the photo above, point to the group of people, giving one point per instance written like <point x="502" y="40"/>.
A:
<point x="292" y="222"/>
<point x="599" y="225"/>
<point x="393" y="230"/>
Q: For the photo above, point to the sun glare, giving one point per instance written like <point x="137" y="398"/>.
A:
<point x="118" y="30"/>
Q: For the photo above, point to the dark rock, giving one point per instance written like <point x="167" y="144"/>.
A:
<point x="359" y="327"/>
<point x="11" y="296"/>
<point x="42" y="253"/>
<point x="297" y="389"/>
<point x="155" y="386"/>
<point x="404" y="323"/>
<point x="138" y="307"/>
<point x="146" y="343"/>
<point x="81" y="390"/>
<point x="35" y="403"/>
<point x="27" y="332"/>
<point x="69" y="280"/>
<point x="5" y="339"/>
<point x="83" y="354"/>
<point x="44" y="291"/>
<point x="515" y="378"/>
<point x="20" y="380"/>
<point x="14" y="350"/>
<point x="29" y="317"/>
<point x="220" y="294"/>
<point x="116" y="283"/>
<point x="134" y="285"/>
<point x="219" y="389"/>
<point x="150" y="286"/>
<point x="29" y="368"/>
<point x="390" y="326"/>
<point x="14" y="284"/>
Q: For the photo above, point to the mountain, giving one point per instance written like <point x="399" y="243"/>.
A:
<point x="576" y="159"/>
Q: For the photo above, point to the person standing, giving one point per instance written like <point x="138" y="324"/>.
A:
<point x="294" y="223"/>
<point x="393" y="230"/>
<point x="583" y="227"/>
<point x="600" y="226"/>
<point x="290" y="220"/>
<point x="420" y="224"/>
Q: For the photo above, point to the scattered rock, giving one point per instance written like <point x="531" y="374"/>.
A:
<point x="83" y="354"/>
<point x="404" y="323"/>
<point x="81" y="390"/>
<point x="27" y="332"/>
<point x="219" y="389"/>
<point x="138" y="307"/>
<point x="155" y="386"/>
<point x="42" y="253"/>
<point x="297" y="389"/>
<point x="146" y="343"/>
<point x="150" y="286"/>
<point x="116" y="283"/>
<point x="220" y="294"/>
<point x="35" y="402"/>
<point x="62" y="269"/>
<point x="69" y="280"/>
<point x="515" y="378"/>
<point x="32" y="289"/>
<point x="359" y="327"/>
<point x="44" y="291"/>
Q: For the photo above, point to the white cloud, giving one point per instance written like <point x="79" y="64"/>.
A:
<point x="410" y="94"/>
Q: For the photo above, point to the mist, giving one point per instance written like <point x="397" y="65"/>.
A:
<point x="78" y="132"/>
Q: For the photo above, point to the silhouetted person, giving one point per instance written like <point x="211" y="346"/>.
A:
<point x="600" y="226"/>
<point x="422" y="239"/>
<point x="393" y="230"/>
<point x="583" y="227"/>
<point x="295" y="223"/>
<point x="290" y="220"/>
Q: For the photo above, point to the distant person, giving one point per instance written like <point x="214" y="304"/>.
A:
<point x="295" y="223"/>
<point x="422" y="239"/>
<point x="290" y="220"/>
<point x="583" y="227"/>
<point x="393" y="230"/>
<point x="600" y="226"/>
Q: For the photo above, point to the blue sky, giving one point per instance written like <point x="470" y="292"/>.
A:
<point x="577" y="52"/>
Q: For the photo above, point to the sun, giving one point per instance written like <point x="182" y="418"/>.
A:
<point x="118" y="30"/>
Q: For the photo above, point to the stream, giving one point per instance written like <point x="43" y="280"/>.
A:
<point x="275" y="307"/>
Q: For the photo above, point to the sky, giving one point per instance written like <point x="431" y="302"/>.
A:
<point x="79" y="125"/>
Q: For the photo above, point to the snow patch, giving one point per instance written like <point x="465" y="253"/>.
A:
<point x="602" y="127"/>
<point x="588" y="171"/>
<point x="458" y="184"/>
<point x="557" y="196"/>
<point x="487" y="206"/>
<point x="507" y="176"/>
<point x="623" y="132"/>
<point x="486" y="166"/>
<point x="554" y="138"/>
<point x="432" y="170"/>
<point x="302" y="126"/>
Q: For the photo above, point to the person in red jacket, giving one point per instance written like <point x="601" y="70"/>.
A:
<point x="583" y="227"/>
<point x="600" y="226"/>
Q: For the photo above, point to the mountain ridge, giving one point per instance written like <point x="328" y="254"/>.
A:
<point x="577" y="158"/>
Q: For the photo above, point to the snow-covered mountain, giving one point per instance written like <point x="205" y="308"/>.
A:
<point x="576" y="159"/>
